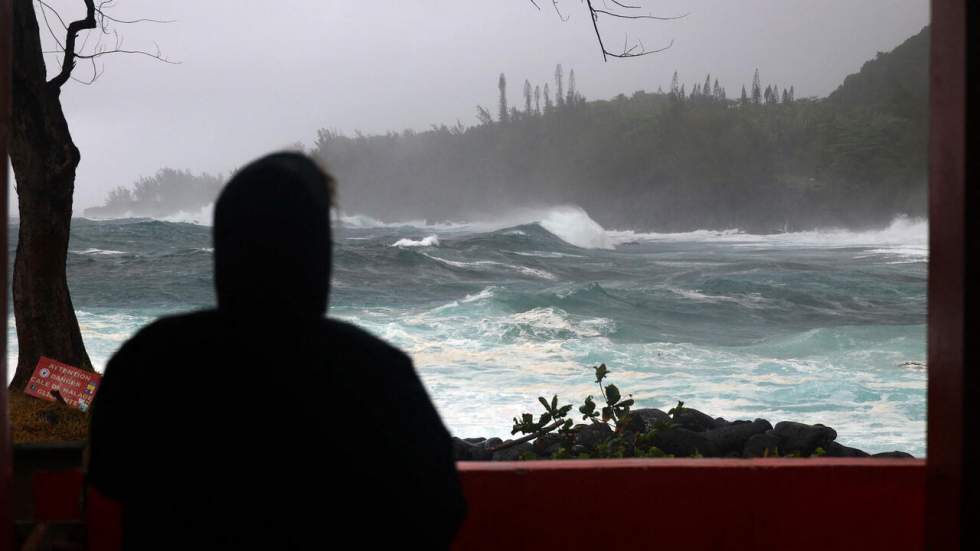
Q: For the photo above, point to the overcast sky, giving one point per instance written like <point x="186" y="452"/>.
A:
<point x="255" y="76"/>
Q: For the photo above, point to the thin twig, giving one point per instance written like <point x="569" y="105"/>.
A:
<point x="527" y="438"/>
<point x="91" y="21"/>
<point x="622" y="16"/>
<point x="638" y="49"/>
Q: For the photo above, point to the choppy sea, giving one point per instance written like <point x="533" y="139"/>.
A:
<point x="814" y="326"/>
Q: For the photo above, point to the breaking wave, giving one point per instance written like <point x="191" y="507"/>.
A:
<point x="431" y="241"/>
<point x="906" y="238"/>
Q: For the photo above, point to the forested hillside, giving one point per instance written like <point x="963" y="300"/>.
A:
<point x="165" y="193"/>
<point x="693" y="156"/>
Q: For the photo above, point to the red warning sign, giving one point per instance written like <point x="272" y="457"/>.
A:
<point x="75" y="386"/>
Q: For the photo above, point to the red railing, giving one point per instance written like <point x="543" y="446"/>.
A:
<point x="799" y="504"/>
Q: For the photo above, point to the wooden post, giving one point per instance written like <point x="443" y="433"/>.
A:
<point x="6" y="467"/>
<point x="954" y="279"/>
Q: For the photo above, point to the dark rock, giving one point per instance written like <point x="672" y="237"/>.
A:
<point x="732" y="438"/>
<point x="681" y="442"/>
<point x="513" y="453"/>
<point x="590" y="436"/>
<point x="475" y="440"/>
<point x="799" y="438"/>
<point x="461" y="449"/>
<point x="894" y="455"/>
<point x="546" y="445"/>
<point x="722" y="422"/>
<point x="762" y="445"/>
<point x="694" y="420"/>
<point x="466" y="451"/>
<point x="838" y="450"/>
<point x="632" y="424"/>
<point x="492" y="443"/>
<point x="650" y="417"/>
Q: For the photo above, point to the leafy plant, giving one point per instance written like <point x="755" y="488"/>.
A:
<point x="615" y="410"/>
<point x="553" y="414"/>
<point x="554" y="417"/>
<point x="614" y="413"/>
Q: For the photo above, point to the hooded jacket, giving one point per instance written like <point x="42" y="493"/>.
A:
<point x="261" y="423"/>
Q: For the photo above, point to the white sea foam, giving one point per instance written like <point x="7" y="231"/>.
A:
<point x="361" y="221"/>
<point x="573" y="225"/>
<point x="484" y="294"/>
<point x="502" y="360"/>
<point x="534" y="272"/>
<point x="905" y="236"/>
<point x="430" y="241"/>
<point x="750" y="300"/>
<point x="546" y="254"/>
<point x="203" y="216"/>
<point x="99" y="252"/>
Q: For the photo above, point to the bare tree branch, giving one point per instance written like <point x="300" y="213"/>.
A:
<point x="632" y="53"/>
<point x="563" y="18"/>
<point x="622" y="5"/>
<point x="70" y="36"/>
<point x="637" y="49"/>
<point x="623" y="16"/>
<point x="47" y="6"/>
<point x="155" y="56"/>
<point x="96" y="18"/>
<point x="47" y="24"/>
<point x="95" y="76"/>
<point x="102" y="15"/>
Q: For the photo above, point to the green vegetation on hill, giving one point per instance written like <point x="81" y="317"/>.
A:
<point x="167" y="192"/>
<point x="764" y="161"/>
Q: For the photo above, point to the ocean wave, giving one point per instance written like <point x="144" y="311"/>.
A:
<point x="430" y="241"/>
<point x="362" y="221"/>
<point x="546" y="254"/>
<point x="484" y="294"/>
<point x="750" y="300"/>
<point x="573" y="226"/>
<point x="99" y="252"/>
<point x="203" y="216"/>
<point x="534" y="272"/>
<point x="905" y="236"/>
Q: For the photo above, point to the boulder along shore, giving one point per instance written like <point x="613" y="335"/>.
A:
<point x="684" y="432"/>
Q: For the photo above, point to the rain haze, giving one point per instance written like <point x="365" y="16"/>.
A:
<point x="251" y="79"/>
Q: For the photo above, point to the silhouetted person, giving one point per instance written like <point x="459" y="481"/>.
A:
<point x="262" y="424"/>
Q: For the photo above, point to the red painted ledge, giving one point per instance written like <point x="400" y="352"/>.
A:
<point x="637" y="504"/>
<point x="759" y="504"/>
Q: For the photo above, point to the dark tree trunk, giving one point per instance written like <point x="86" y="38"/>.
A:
<point x="44" y="159"/>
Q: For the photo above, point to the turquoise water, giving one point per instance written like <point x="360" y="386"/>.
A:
<point x="810" y="326"/>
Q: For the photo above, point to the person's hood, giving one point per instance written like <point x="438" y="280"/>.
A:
<point x="272" y="242"/>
